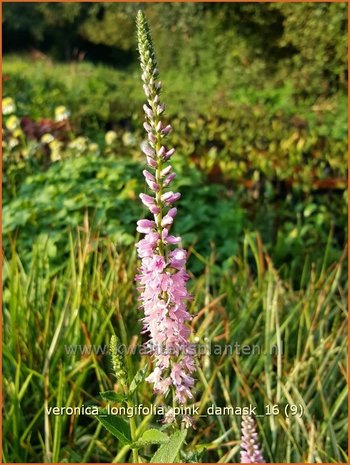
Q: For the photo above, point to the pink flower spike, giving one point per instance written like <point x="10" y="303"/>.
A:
<point x="162" y="277"/>
<point x="250" y="447"/>
<point x="168" y="180"/>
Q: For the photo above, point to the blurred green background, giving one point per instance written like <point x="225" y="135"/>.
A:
<point x="257" y="97"/>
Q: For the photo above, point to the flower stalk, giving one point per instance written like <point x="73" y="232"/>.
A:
<point x="162" y="276"/>
<point x="118" y="363"/>
<point x="250" y="448"/>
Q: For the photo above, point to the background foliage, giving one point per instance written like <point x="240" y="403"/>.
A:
<point x="257" y="97"/>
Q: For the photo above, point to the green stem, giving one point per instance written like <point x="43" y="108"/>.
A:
<point x="125" y="384"/>
<point x="121" y="454"/>
<point x="135" y="453"/>
<point x="133" y="429"/>
<point x="123" y="451"/>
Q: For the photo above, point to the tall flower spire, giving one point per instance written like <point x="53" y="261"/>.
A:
<point x="250" y="449"/>
<point x="162" y="276"/>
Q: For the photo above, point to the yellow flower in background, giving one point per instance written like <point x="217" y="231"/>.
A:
<point x="61" y="113"/>
<point x="110" y="137"/>
<point x="93" y="147"/>
<point x="46" y="138"/>
<point x="13" y="143"/>
<point x="55" y="150"/>
<point x="128" y="139"/>
<point x="80" y="144"/>
<point x="12" y="123"/>
<point x="8" y="106"/>
<point x="17" y="133"/>
<point x="25" y="153"/>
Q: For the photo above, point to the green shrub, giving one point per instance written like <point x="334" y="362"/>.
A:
<point x="52" y="202"/>
<point x="226" y="134"/>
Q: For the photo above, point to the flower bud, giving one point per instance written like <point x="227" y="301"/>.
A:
<point x="168" y="180"/>
<point x="146" y="149"/>
<point x="147" y="200"/>
<point x="166" y="130"/>
<point x="118" y="361"/>
<point x="152" y="163"/>
<point x="161" y="151"/>
<point x="147" y="127"/>
<point x="145" y="226"/>
<point x="170" y="197"/>
<point x="169" y="153"/>
<point x="148" y="111"/>
<point x="166" y="171"/>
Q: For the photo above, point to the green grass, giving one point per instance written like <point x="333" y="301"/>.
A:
<point x="87" y="298"/>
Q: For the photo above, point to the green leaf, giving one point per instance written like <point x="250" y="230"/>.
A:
<point x="151" y="436"/>
<point x="115" y="425"/>
<point x="138" y="378"/>
<point x="113" y="396"/>
<point x="310" y="209"/>
<point x="167" y="453"/>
